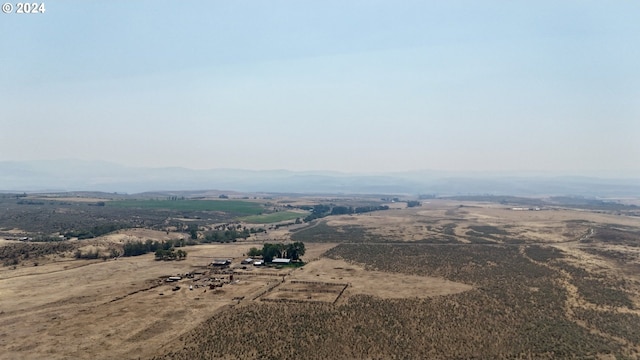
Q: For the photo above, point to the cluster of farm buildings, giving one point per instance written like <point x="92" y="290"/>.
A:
<point x="250" y="261"/>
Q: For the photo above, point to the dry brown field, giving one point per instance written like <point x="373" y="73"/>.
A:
<point x="438" y="281"/>
<point x="465" y="220"/>
<point x="123" y="309"/>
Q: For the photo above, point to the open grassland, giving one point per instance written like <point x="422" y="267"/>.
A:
<point x="441" y="221"/>
<point x="123" y="309"/>
<point x="540" y="287"/>
<point x="444" y="280"/>
<point x="115" y="309"/>
<point x="306" y="292"/>
<point x="321" y="232"/>
<point x="518" y="308"/>
<point x="231" y="206"/>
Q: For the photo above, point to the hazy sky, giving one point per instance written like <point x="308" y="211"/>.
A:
<point x="326" y="85"/>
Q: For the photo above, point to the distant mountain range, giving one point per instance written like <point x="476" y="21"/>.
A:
<point x="76" y="175"/>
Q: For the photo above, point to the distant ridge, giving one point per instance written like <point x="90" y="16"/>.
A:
<point x="78" y="175"/>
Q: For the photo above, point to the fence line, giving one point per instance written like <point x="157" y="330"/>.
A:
<point x="316" y="283"/>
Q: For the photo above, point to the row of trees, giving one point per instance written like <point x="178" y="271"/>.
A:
<point x="320" y="211"/>
<point x="270" y="251"/>
<point x="257" y="231"/>
<point x="95" y="231"/>
<point x="164" y="250"/>
<point x="170" y="254"/>
<point x="96" y="254"/>
<point x="411" y="203"/>
<point x="137" y="247"/>
<point x="226" y="235"/>
<point x="317" y="211"/>
<point x="91" y="254"/>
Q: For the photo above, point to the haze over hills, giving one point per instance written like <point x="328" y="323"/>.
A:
<point x="77" y="175"/>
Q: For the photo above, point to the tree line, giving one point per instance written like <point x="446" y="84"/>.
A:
<point x="95" y="231"/>
<point x="229" y="235"/>
<point x="137" y="247"/>
<point x="171" y="254"/>
<point x="320" y="211"/>
<point x="270" y="251"/>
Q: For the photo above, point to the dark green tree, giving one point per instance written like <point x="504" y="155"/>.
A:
<point x="254" y="252"/>
<point x="193" y="231"/>
<point x="271" y="251"/>
<point x="295" y="250"/>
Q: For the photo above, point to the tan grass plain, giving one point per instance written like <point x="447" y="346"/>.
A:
<point x="80" y="309"/>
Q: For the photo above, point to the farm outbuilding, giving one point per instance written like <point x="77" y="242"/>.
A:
<point x="220" y="262"/>
<point x="281" y="261"/>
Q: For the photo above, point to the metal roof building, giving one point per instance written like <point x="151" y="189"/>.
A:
<point x="221" y="262"/>
<point x="280" y="261"/>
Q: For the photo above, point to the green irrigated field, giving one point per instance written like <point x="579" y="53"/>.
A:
<point x="273" y="217"/>
<point x="229" y="206"/>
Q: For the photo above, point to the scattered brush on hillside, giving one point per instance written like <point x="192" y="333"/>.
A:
<point x="322" y="232"/>
<point x="14" y="253"/>
<point x="515" y="311"/>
